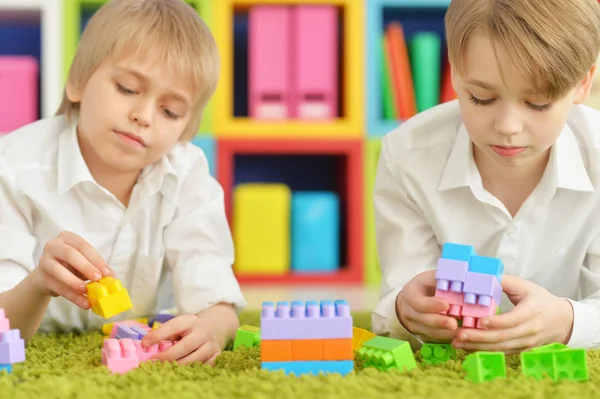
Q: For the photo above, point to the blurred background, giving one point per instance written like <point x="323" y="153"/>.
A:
<point x="307" y="90"/>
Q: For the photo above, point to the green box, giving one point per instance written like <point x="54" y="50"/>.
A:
<point x="72" y="10"/>
<point x="372" y="272"/>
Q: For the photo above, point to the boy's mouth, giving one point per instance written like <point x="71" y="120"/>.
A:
<point x="132" y="136"/>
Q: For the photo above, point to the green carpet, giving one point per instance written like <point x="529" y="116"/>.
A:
<point x="69" y="366"/>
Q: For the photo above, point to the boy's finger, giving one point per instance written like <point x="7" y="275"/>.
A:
<point x="72" y="257"/>
<point x="519" y="315"/>
<point x="427" y="304"/>
<point x="166" y="331"/>
<point x="179" y="350"/>
<point x="435" y="334"/>
<point x="436" y="321"/>
<point x="68" y="293"/>
<point x="87" y="251"/>
<point x="63" y="275"/>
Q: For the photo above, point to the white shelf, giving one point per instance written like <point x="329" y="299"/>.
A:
<point x="51" y="48"/>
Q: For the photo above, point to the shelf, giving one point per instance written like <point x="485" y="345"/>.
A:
<point x="303" y="164"/>
<point x="415" y="16"/>
<point x="47" y="15"/>
<point x="372" y="272"/>
<point x="76" y="14"/>
<point x="231" y="112"/>
<point x="208" y="145"/>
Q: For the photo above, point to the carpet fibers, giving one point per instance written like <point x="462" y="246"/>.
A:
<point x="69" y="366"/>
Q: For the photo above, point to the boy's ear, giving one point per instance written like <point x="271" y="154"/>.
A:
<point x="74" y="93"/>
<point x="583" y="88"/>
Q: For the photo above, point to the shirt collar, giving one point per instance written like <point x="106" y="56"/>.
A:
<point x="565" y="166"/>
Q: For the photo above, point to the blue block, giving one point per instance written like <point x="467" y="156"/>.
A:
<point x="207" y="144"/>
<point x="457" y="251"/>
<point x="7" y="367"/>
<point x="315" y="367"/>
<point x="487" y="265"/>
<point x="315" y="223"/>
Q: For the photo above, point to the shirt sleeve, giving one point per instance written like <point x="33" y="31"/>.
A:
<point x="17" y="244"/>
<point x="406" y="242"/>
<point x="199" y="246"/>
<point x="586" y="312"/>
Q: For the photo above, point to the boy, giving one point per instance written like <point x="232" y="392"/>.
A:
<point x="511" y="167"/>
<point x="112" y="186"/>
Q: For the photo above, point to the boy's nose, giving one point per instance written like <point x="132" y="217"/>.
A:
<point x="509" y="123"/>
<point x="141" y="115"/>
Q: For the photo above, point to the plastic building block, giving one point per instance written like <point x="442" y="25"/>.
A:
<point x="450" y="274"/>
<point x="437" y="353"/>
<point x="127" y="323"/>
<point x="557" y="362"/>
<point x="107" y="328"/>
<point x="385" y="353"/>
<point x="261" y="229"/>
<point x="487" y="265"/>
<point x="308" y="349"/>
<point x="481" y="289"/>
<point x="4" y="321"/>
<point x="131" y="332"/>
<point x="5" y="368"/>
<point x="315" y="41"/>
<point x="485" y="366"/>
<point x="337" y="349"/>
<point x="247" y="336"/>
<point x="12" y="347"/>
<point x="359" y="336"/>
<point x="161" y="318"/>
<point x="310" y="320"/>
<point x="472" y="313"/>
<point x="269" y="59"/>
<point x="156" y="325"/>
<point x="317" y="367"/>
<point x="457" y="251"/>
<point x="454" y="299"/>
<point x="315" y="231"/>
<point x="119" y="356"/>
<point x="19" y="95"/>
<point x="276" y="350"/>
<point x="144" y="354"/>
<point x="108" y="297"/>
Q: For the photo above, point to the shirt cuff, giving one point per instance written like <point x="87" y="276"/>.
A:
<point x="586" y="325"/>
<point x="385" y="322"/>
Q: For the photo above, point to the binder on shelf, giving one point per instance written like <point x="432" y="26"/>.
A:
<point x="18" y="91"/>
<point x="316" y="62"/>
<point x="269" y="62"/>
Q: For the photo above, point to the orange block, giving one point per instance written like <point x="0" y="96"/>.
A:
<point x="276" y="350"/>
<point x="338" y="349"/>
<point x="307" y="349"/>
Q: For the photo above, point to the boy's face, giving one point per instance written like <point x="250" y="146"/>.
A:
<point x="509" y="126"/>
<point x="132" y="112"/>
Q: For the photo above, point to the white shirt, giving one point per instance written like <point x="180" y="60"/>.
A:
<point x="175" y="225"/>
<point x="428" y="191"/>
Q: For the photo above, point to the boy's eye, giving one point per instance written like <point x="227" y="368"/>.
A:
<point x="170" y="113"/>
<point x="124" y="89"/>
<point x="540" y="108"/>
<point x="478" y="101"/>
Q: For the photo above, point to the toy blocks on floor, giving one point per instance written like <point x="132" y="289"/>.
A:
<point x="107" y="328"/>
<point x="120" y="326"/>
<point x="359" y="336"/>
<point x="307" y="337"/>
<point x="385" y="353"/>
<point x="485" y="366"/>
<point x="4" y="322"/>
<point x="470" y="283"/>
<point x="108" y="297"/>
<point x="248" y="336"/>
<point x="12" y="346"/>
<point x="437" y="353"/>
<point x="119" y="356"/>
<point x="556" y="361"/>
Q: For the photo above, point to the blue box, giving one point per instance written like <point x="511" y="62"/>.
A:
<point x="315" y="231"/>
<point x="487" y="265"/>
<point x="458" y="251"/>
<point x="207" y="144"/>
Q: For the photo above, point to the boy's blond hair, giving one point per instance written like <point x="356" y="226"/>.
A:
<point x="552" y="43"/>
<point x="168" y="30"/>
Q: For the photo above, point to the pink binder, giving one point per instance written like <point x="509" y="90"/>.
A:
<point x="269" y="65"/>
<point x="18" y="92"/>
<point x="316" y="58"/>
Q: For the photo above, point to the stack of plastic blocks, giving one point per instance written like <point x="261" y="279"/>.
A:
<point x="307" y="338"/>
<point x="122" y="355"/>
<point x="12" y="346"/>
<point x="470" y="283"/>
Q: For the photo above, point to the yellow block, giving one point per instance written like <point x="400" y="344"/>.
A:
<point x="156" y="324"/>
<point x="108" y="297"/>
<point x="261" y="228"/>
<point x="107" y="328"/>
<point x="359" y="336"/>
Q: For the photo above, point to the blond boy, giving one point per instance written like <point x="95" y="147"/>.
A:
<point x="112" y="186"/>
<point x="512" y="168"/>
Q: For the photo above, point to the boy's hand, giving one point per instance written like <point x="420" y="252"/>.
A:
<point x="67" y="262"/>
<point x="538" y="318"/>
<point x="198" y="341"/>
<point x="418" y="310"/>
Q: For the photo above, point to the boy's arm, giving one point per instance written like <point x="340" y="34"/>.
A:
<point x="406" y="243"/>
<point x="24" y="305"/>
<point x="200" y="252"/>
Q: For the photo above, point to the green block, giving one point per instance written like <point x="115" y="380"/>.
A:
<point x="484" y="366"/>
<point x="425" y="56"/>
<point x="385" y="353"/>
<point x="437" y="353"/>
<point x="248" y="336"/>
<point x="372" y="271"/>
<point x="556" y="361"/>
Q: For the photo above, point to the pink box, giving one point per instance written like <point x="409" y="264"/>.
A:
<point x="316" y="62"/>
<point x="18" y="92"/>
<point x="269" y="52"/>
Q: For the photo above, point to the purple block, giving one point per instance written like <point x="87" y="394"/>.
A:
<point x="481" y="288"/>
<point x="140" y="331"/>
<point x="162" y="318"/>
<point x="310" y="320"/>
<point x="124" y="332"/>
<point x="450" y="274"/>
<point x="12" y="347"/>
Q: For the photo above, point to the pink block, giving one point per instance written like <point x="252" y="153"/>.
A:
<point x="269" y="52"/>
<point x="315" y="91"/>
<point x="454" y="299"/>
<point x="119" y="356"/>
<point x="478" y="311"/>
<point x="4" y="322"/>
<point x="19" y="92"/>
<point x="144" y="354"/>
